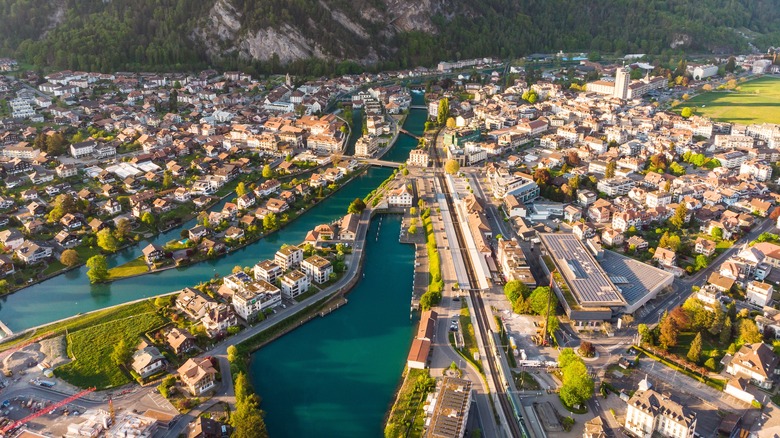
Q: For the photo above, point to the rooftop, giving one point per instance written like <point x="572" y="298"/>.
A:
<point x="633" y="278"/>
<point x="585" y="277"/>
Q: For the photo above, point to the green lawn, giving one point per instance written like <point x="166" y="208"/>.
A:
<point x="756" y="101"/>
<point x="91" y="348"/>
<point x="133" y="267"/>
<point x="684" y="341"/>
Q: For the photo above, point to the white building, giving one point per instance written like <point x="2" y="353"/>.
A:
<point x="366" y="146"/>
<point x="288" y="257"/>
<point x="760" y="293"/>
<point x="267" y="270"/>
<point x="705" y="71"/>
<point x="83" y="149"/>
<point x="617" y="186"/>
<point x="651" y="413"/>
<point x="400" y="197"/>
<point x="255" y="298"/>
<point x="317" y="268"/>
<point x="756" y="362"/>
<point x="294" y="283"/>
<point x="418" y="157"/>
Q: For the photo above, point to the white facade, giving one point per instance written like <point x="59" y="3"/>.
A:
<point x="704" y="71"/>
<point x="651" y="413"/>
<point x="760" y="293"/>
<point x="294" y="283"/>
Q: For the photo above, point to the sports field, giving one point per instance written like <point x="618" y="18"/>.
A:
<point x="756" y="101"/>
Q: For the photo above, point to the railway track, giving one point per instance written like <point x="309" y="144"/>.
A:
<point x="481" y="316"/>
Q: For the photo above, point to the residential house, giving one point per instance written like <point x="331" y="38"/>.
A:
<point x="294" y="283"/>
<point x="705" y="246"/>
<point x="652" y="414"/>
<point x="348" y="226"/>
<point x="217" y="320"/>
<point x="760" y="293"/>
<point x="665" y="257"/>
<point x="267" y="270"/>
<point x="148" y="361"/>
<point x="756" y="362"/>
<point x="11" y="239"/>
<point x="288" y="257"/>
<point x="193" y="303"/>
<point x="400" y="197"/>
<point x="6" y="266"/>
<point x="317" y="268"/>
<point x="153" y="253"/>
<point x="180" y="340"/>
<point x="31" y="253"/>
<point x="198" y="375"/>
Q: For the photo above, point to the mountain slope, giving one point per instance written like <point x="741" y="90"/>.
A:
<point x="266" y="34"/>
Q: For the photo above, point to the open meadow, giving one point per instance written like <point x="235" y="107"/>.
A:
<point x="756" y="101"/>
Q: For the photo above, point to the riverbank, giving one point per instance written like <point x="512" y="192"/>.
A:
<point x="292" y="217"/>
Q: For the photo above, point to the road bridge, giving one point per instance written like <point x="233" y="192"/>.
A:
<point x="380" y="163"/>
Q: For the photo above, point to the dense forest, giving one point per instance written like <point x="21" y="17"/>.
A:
<point x="110" y="35"/>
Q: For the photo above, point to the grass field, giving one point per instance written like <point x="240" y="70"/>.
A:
<point x="91" y="348"/>
<point x="756" y="101"/>
<point x="133" y="267"/>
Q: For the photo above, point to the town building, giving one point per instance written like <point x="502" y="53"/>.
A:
<point x="652" y="414"/>
<point x="451" y="409"/>
<point x="248" y="302"/>
<point x="317" y="268"/>
<point x="755" y="362"/>
<point x="294" y="283"/>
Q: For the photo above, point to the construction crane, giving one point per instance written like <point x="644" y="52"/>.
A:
<point x="46" y="410"/>
<point x="111" y="411"/>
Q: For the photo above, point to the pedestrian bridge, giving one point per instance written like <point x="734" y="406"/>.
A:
<point x="409" y="133"/>
<point x="380" y="163"/>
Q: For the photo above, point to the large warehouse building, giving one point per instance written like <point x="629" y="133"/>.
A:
<point x="594" y="285"/>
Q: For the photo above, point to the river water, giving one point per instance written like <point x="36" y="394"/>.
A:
<point x="336" y="376"/>
<point x="71" y="293"/>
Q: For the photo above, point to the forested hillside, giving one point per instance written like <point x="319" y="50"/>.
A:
<point x="264" y="35"/>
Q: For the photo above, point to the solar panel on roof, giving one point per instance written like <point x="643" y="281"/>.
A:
<point x="618" y="280"/>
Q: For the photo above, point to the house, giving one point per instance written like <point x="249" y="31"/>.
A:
<point x="756" y="362"/>
<point x="760" y="293"/>
<point x="234" y="233"/>
<point x="31" y="253"/>
<point x="317" y="268"/>
<point x="294" y="283"/>
<point x="288" y="257"/>
<point x="257" y="297"/>
<point x="612" y="237"/>
<point x="197" y="375"/>
<point x="637" y="243"/>
<point x="71" y="222"/>
<point x="193" y="303"/>
<point x="705" y="246"/>
<point x="66" y="239"/>
<point x="198" y="232"/>
<point x="153" y="253"/>
<point x="6" y="266"/>
<point x="148" y="361"/>
<point x="11" y="239"/>
<point x="400" y="197"/>
<point x="217" y="320"/>
<point x="418" y="354"/>
<point x="180" y="340"/>
<point x="738" y="388"/>
<point x="720" y="282"/>
<point x="348" y="226"/>
<point x="207" y="246"/>
<point x="204" y="427"/>
<point x="572" y="213"/>
<point x="112" y="207"/>
<point x="665" y="257"/>
<point x="652" y="414"/>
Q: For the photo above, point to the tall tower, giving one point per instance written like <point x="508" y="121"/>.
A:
<point x="622" y="79"/>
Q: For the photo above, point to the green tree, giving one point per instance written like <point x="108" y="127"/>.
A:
<point x="98" y="269"/>
<point x="726" y="332"/>
<point x="173" y="101"/>
<point x="4" y="288"/>
<point x="718" y="320"/>
<point x="69" y="258"/>
<point x="566" y="357"/>
<point x="451" y="123"/>
<point x="444" y="111"/>
<point x="678" y="219"/>
<point x="241" y="189"/>
<point x="701" y="262"/>
<point x="694" y="353"/>
<point x="748" y="332"/>
<point x="686" y="112"/>
<point x="716" y="232"/>
<point x="121" y="353"/>
<point x="610" y="172"/>
<point x="710" y="364"/>
<point x="412" y="229"/>
<point x="515" y="289"/>
<point x="148" y="220"/>
<point x="267" y="171"/>
<point x="167" y="181"/>
<point x="123" y="229"/>
<point x="577" y="385"/>
<point x="539" y="298"/>
<point x="356" y="206"/>
<point x="107" y="241"/>
<point x="270" y="222"/>
<point x="668" y="336"/>
<point x="232" y="353"/>
<point x="731" y="65"/>
<point x="62" y="205"/>
<point x="451" y="166"/>
<point x="645" y="335"/>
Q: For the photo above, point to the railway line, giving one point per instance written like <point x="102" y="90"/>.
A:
<point x="511" y="412"/>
